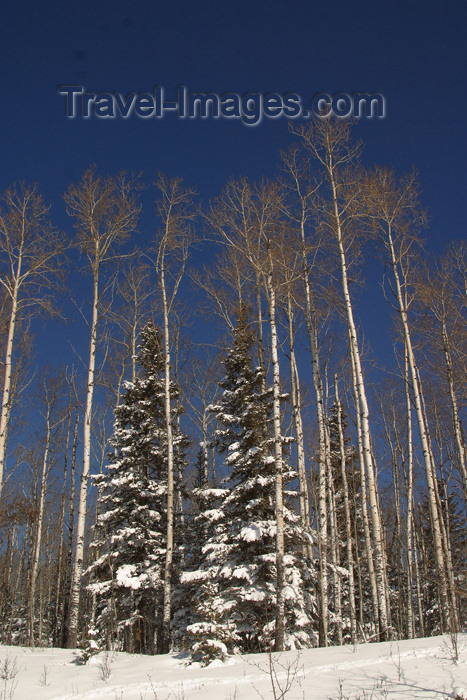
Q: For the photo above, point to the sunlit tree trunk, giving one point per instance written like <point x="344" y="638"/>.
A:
<point x="410" y="497"/>
<point x="38" y="537"/>
<point x="167" y="611"/>
<point x="30" y="252"/>
<point x="348" y="521"/>
<point x="176" y="212"/>
<point x="335" y="555"/>
<point x="328" y="141"/>
<point x="297" y="417"/>
<point x="71" y="527"/>
<point x="279" y="639"/>
<point x="448" y="609"/>
<point x="366" y="521"/>
<point x="459" y="438"/>
<point x="105" y="213"/>
<point x="50" y="396"/>
<point x="6" y="402"/>
<point x="365" y="427"/>
<point x="83" y="490"/>
<point x="323" y="456"/>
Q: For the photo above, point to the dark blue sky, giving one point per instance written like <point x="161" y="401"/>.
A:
<point x="414" y="53"/>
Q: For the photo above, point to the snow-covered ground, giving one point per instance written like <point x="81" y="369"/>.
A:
<point x="421" y="668"/>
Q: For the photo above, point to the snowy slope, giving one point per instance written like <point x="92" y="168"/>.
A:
<point x="421" y="668"/>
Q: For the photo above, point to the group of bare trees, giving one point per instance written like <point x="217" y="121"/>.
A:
<point x="379" y="452"/>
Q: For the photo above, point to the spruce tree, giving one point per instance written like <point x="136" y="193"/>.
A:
<point x="130" y="533"/>
<point x="235" y="607"/>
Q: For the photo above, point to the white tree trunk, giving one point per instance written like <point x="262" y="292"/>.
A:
<point x="323" y="452"/>
<point x="167" y="604"/>
<point x="262" y="363"/>
<point x="335" y="555"/>
<point x="418" y="585"/>
<point x="366" y="521"/>
<point x="71" y="526"/>
<point x="297" y="416"/>
<point x="409" y="521"/>
<point x="6" y="398"/>
<point x="460" y="444"/>
<point x="75" y="588"/>
<point x="378" y="542"/>
<point x="348" y="521"/>
<point x="447" y="613"/>
<point x="38" y="538"/>
<point x="58" y="622"/>
<point x="279" y="495"/>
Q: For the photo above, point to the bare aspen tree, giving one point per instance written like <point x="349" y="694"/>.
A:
<point x="299" y="206"/>
<point x="31" y="252"/>
<point x="347" y="514"/>
<point x="247" y="220"/>
<point x="280" y="619"/>
<point x="334" y="556"/>
<point x="392" y="420"/>
<point x="44" y="472"/>
<point x="298" y="423"/>
<point x="70" y="529"/>
<point x="105" y="214"/>
<point x="60" y="570"/>
<point x="174" y="236"/>
<point x="329" y="144"/>
<point x="288" y="277"/>
<point x="396" y="215"/>
<point x="442" y="292"/>
<point x="409" y="501"/>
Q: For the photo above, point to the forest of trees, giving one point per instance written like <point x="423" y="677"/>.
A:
<point x="272" y="486"/>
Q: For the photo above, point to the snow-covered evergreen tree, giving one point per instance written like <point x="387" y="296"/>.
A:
<point x="195" y="530"/>
<point x="235" y="606"/>
<point x="130" y="535"/>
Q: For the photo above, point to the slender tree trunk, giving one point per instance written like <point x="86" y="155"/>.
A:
<point x="15" y="580"/>
<point x="6" y="586"/>
<point x="259" y="315"/>
<point x="279" y="640"/>
<point x="167" y="604"/>
<point x="46" y="585"/>
<point x="335" y="556"/>
<point x="323" y="452"/>
<point x="6" y="398"/>
<point x="60" y="574"/>
<point x="378" y="542"/>
<point x="75" y="589"/>
<point x="409" y="519"/>
<point x="444" y="528"/>
<point x="348" y="522"/>
<point x="418" y="584"/>
<point x="460" y="443"/>
<point x="204" y="429"/>
<point x="447" y="613"/>
<point x="398" y="560"/>
<point x="38" y="538"/>
<point x="178" y="476"/>
<point x="71" y="528"/>
<point x="366" y="520"/>
<point x="297" y="416"/>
